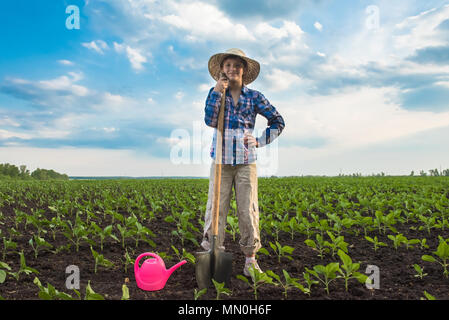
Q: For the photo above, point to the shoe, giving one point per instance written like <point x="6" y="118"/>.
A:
<point x="249" y="265"/>
<point x="206" y="245"/>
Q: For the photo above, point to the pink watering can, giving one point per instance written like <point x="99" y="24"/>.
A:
<point x="152" y="275"/>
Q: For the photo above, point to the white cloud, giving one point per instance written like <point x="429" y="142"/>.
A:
<point x="204" y="21"/>
<point x="356" y="118"/>
<point x="136" y="58"/>
<point x="281" y="80"/>
<point x="393" y="41"/>
<point x="66" y="62"/>
<point x="65" y="83"/>
<point x="96" y="45"/>
<point x="204" y="87"/>
<point x="110" y="130"/>
<point x="134" y="55"/>
<point x="179" y="95"/>
<point x="318" y="26"/>
<point x="282" y="46"/>
<point x="270" y="33"/>
<point x="420" y="31"/>
<point x="443" y="83"/>
<point x="7" y="121"/>
<point x="7" y="134"/>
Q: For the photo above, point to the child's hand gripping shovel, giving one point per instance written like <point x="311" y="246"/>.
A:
<point x="215" y="263"/>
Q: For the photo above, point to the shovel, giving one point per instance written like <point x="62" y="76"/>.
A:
<point x="215" y="263"/>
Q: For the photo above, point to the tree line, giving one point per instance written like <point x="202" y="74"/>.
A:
<point x="10" y="171"/>
<point x="422" y="173"/>
<point x="433" y="173"/>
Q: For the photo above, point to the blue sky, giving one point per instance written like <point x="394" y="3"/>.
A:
<point x="363" y="86"/>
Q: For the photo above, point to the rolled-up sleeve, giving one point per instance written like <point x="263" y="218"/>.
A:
<point x="275" y="121"/>
<point x="212" y="107"/>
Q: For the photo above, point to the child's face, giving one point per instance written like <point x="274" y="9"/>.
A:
<point x="233" y="68"/>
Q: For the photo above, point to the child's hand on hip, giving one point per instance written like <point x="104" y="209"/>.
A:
<point x="250" y="140"/>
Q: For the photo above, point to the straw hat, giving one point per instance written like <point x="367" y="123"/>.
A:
<point x="249" y="75"/>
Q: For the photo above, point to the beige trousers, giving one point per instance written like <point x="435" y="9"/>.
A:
<point x="243" y="177"/>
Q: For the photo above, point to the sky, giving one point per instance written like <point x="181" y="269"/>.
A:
<point x="118" y="87"/>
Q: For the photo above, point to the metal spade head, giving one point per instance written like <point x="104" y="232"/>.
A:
<point x="213" y="264"/>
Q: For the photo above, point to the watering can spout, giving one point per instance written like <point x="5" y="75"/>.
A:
<point x="176" y="266"/>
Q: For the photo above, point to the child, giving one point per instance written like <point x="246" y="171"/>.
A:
<point x="233" y="70"/>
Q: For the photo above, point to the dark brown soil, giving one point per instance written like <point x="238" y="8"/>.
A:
<point x="397" y="276"/>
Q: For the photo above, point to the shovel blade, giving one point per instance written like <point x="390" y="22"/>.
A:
<point x="222" y="269"/>
<point x="203" y="269"/>
<point x="213" y="264"/>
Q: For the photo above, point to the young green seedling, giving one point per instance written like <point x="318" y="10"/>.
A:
<point x="443" y="254"/>
<point x="258" y="279"/>
<point x="336" y="244"/>
<point x="233" y="223"/>
<point x="125" y="292"/>
<point x="8" y="244"/>
<point x="397" y="240"/>
<point x="348" y="269"/>
<point x="103" y="233"/>
<point x="310" y="282"/>
<point x="23" y="267"/>
<point x="143" y="234"/>
<point x="185" y="255"/>
<point x="293" y="226"/>
<point x="90" y="293"/>
<point x="420" y="271"/>
<point x="282" y="251"/>
<point x="427" y="296"/>
<point x="3" y="273"/>
<point x="289" y="282"/>
<point x="50" y="293"/>
<point x="100" y="260"/>
<point x="410" y="242"/>
<point x="319" y="245"/>
<point x="376" y="242"/>
<point x="429" y="222"/>
<point x="198" y="293"/>
<point x="423" y="243"/>
<point x="325" y="274"/>
<point x="38" y="243"/>
<point x="129" y="260"/>
<point x="220" y="289"/>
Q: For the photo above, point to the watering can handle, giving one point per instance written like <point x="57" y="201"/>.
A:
<point x="136" y="264"/>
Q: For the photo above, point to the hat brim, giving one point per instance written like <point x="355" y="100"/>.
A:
<point x="252" y="72"/>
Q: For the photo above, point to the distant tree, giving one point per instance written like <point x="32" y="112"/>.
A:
<point x="412" y="173"/>
<point x="422" y="173"/>
<point x="434" y="172"/>
<point x="9" y="171"/>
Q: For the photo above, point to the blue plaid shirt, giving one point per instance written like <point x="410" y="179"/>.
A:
<point x="239" y="119"/>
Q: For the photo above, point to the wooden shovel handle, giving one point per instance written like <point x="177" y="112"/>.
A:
<point x="218" y="163"/>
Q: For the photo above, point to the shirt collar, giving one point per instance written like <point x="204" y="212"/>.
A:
<point x="244" y="90"/>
